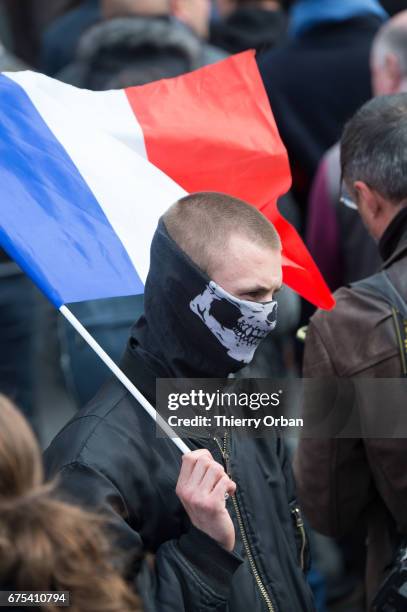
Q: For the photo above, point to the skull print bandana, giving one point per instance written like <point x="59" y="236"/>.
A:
<point x="239" y="325"/>
<point x="191" y="327"/>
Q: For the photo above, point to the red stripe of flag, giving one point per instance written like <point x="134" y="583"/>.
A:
<point x="213" y="130"/>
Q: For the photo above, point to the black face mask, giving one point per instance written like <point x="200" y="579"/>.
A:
<point x="192" y="328"/>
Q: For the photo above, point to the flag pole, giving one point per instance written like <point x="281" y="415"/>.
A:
<point x="123" y="379"/>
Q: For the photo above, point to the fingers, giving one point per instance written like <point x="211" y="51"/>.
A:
<point x="213" y="474"/>
<point x="200" y="475"/>
<point x="224" y="485"/>
<point x="189" y="462"/>
<point x="201" y="488"/>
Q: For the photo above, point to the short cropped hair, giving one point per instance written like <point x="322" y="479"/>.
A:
<point x="374" y="147"/>
<point x="202" y="223"/>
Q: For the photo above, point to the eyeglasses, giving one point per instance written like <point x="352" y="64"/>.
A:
<point x="346" y="199"/>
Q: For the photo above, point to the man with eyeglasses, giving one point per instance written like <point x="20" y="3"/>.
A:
<point x="335" y="235"/>
<point x="348" y="481"/>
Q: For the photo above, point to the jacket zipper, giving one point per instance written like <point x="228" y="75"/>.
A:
<point x="261" y="587"/>
<point x="300" y="526"/>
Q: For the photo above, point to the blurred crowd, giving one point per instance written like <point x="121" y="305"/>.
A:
<point x="320" y="61"/>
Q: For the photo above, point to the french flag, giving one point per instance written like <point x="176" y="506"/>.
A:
<point x="85" y="176"/>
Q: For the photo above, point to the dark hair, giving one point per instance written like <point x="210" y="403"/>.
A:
<point x="374" y="147"/>
<point x="393" y="6"/>
<point x="202" y="223"/>
<point x="287" y="4"/>
<point x="46" y="544"/>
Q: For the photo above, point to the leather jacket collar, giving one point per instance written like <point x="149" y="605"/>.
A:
<point x="393" y="243"/>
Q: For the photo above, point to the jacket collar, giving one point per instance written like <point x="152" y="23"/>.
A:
<point x="143" y="374"/>
<point x="140" y="372"/>
<point x="393" y="243"/>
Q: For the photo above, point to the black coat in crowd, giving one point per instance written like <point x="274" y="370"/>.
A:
<point x="249" y="27"/>
<point x="135" y="50"/>
<point x="315" y="83"/>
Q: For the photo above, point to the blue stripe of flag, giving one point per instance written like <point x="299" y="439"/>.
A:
<point x="50" y="222"/>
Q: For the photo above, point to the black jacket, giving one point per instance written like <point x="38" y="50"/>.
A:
<point x="108" y="457"/>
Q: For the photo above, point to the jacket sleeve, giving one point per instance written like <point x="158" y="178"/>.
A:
<point x="191" y="573"/>
<point x="332" y="474"/>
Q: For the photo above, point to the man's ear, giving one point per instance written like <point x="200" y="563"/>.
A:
<point x="394" y="72"/>
<point x="367" y="199"/>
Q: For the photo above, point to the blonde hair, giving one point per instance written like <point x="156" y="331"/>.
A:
<point x="46" y="544"/>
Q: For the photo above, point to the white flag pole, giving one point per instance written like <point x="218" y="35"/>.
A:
<point x="123" y="379"/>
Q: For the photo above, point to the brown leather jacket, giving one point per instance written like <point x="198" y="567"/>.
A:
<point x="342" y="481"/>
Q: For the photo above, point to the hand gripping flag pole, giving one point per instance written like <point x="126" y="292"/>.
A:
<point x="124" y="380"/>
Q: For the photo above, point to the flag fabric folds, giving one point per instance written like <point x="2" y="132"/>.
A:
<point x="85" y="175"/>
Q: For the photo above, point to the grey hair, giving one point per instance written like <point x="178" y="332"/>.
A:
<point x="392" y="38"/>
<point x="374" y="147"/>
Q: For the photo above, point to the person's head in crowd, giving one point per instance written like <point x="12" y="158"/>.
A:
<point x="193" y="13"/>
<point x="46" y="544"/>
<point x="374" y="161"/>
<point x="226" y="7"/>
<point x="209" y="296"/>
<point x="389" y="57"/>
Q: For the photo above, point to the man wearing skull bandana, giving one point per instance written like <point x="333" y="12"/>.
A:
<point x="209" y="301"/>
